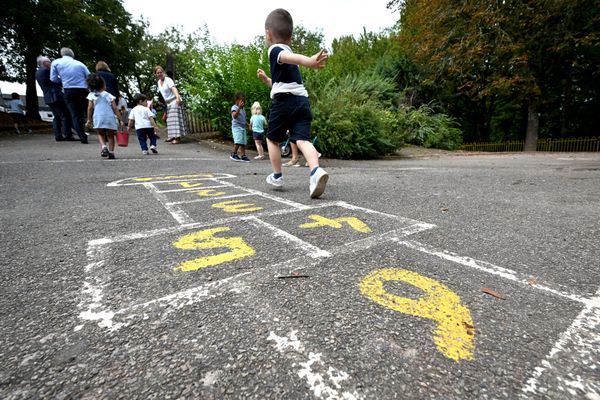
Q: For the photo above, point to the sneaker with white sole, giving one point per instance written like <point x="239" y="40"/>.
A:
<point x="234" y="157"/>
<point x="145" y="152"/>
<point x="104" y="152"/>
<point x="153" y="149"/>
<point x="271" y="180"/>
<point x="244" y="158"/>
<point x="318" y="181"/>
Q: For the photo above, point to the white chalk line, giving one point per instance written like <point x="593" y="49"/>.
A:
<point x="578" y="346"/>
<point x="176" y="212"/>
<point x="166" y="179"/>
<point x="117" y="160"/>
<point x="583" y="334"/>
<point x="488" y="268"/>
<point x="211" y="198"/>
<point x="309" y="366"/>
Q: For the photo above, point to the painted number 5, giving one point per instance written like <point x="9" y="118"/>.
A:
<point x="454" y="333"/>
<point x="204" y="240"/>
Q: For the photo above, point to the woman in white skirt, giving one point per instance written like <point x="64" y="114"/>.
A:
<point x="175" y="121"/>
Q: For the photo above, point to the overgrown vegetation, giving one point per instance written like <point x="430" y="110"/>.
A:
<point x="494" y="71"/>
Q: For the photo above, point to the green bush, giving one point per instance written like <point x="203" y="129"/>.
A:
<point x="354" y="117"/>
<point x="422" y="126"/>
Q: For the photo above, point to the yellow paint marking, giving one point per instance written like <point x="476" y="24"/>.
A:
<point x="204" y="240"/>
<point x="320" y="221"/>
<point x="454" y="335"/>
<point x="208" y="192"/>
<point x="172" y="177"/>
<point x="234" y="206"/>
<point x="187" y="185"/>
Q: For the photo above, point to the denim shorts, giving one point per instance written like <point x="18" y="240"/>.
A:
<point x="239" y="135"/>
<point x="289" y="112"/>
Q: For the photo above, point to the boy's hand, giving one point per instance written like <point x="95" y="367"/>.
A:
<point x="318" y="60"/>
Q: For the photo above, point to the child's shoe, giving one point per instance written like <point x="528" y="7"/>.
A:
<point x="317" y="184"/>
<point x="271" y="180"/>
<point x="104" y="152"/>
<point x="111" y="156"/>
<point x="145" y="152"/>
<point x="244" y="158"/>
<point x="153" y="149"/>
<point x="234" y="157"/>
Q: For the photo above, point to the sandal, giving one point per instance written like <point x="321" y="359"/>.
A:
<point x="175" y="141"/>
<point x="292" y="163"/>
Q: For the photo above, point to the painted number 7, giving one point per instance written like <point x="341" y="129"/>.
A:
<point x="454" y="333"/>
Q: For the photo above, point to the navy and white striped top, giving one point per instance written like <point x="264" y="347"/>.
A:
<point x="285" y="78"/>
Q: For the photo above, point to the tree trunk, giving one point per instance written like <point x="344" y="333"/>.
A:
<point x="31" y="97"/>
<point x="533" y="126"/>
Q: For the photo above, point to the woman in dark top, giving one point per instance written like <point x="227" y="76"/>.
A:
<point x="110" y="80"/>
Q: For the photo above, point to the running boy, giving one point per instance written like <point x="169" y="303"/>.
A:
<point x="145" y="127"/>
<point x="290" y="108"/>
<point x="238" y="128"/>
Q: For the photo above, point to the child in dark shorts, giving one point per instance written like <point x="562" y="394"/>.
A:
<point x="290" y="108"/>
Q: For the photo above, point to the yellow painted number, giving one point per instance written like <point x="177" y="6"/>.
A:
<point x="208" y="192"/>
<point x="205" y="240"/>
<point x="187" y="185"/>
<point x="454" y="334"/>
<point x="236" y="206"/>
<point x="173" y="177"/>
<point x="320" y="221"/>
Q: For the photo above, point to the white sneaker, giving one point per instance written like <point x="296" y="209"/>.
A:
<point x="153" y="149"/>
<point x="317" y="183"/>
<point x="145" y="152"/>
<point x="271" y="180"/>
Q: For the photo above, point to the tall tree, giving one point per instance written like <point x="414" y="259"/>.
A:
<point x="503" y="49"/>
<point x="95" y="30"/>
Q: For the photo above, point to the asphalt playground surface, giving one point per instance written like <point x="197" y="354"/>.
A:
<point x="183" y="275"/>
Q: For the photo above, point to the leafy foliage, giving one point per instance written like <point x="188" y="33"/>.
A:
<point x="353" y="117"/>
<point x="423" y="126"/>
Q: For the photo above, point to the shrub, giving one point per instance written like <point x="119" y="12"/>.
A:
<point x="422" y="126"/>
<point x="353" y="117"/>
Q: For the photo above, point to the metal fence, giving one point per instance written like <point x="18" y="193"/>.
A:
<point x="586" y="144"/>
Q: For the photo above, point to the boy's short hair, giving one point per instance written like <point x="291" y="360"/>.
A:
<point x="281" y="25"/>
<point x="139" y="97"/>
<point x="239" y="95"/>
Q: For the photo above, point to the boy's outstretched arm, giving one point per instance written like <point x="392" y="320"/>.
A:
<point x="263" y="77"/>
<point x="317" y="61"/>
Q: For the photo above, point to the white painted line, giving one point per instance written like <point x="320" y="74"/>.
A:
<point x="369" y="211"/>
<point x="196" y="225"/>
<point x="182" y="178"/>
<point x="290" y="203"/>
<point x="117" y="160"/>
<point x="324" y="381"/>
<point x="192" y="189"/>
<point x="313" y="251"/>
<point x="177" y="213"/>
<point x="169" y="303"/>
<point x="576" y="351"/>
<point x="211" y="198"/>
<point x="488" y="268"/>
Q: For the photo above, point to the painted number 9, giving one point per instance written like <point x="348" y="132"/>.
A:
<point x="454" y="333"/>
